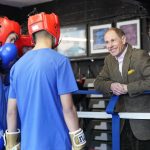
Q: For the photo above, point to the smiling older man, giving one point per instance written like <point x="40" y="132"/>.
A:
<point x="126" y="73"/>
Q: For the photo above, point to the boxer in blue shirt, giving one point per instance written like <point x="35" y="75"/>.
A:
<point x="41" y="83"/>
<point x="9" y="33"/>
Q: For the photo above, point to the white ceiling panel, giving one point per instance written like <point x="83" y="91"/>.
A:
<point x="22" y="3"/>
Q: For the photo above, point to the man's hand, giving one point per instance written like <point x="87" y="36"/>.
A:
<point x="118" y="89"/>
<point x="125" y="88"/>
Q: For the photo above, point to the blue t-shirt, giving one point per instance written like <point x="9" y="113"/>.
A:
<point x="36" y="81"/>
<point x="2" y="114"/>
<point x="3" y="105"/>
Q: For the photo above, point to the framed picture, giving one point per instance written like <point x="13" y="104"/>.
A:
<point x="131" y="29"/>
<point x="73" y="41"/>
<point x="97" y="43"/>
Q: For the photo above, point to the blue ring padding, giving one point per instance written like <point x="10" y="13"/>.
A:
<point x="115" y="122"/>
<point x="115" y="132"/>
<point x="115" y="117"/>
<point x="111" y="105"/>
<point x="146" y="92"/>
<point x="87" y="92"/>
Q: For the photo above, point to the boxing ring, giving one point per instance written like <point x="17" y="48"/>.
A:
<point x="111" y="114"/>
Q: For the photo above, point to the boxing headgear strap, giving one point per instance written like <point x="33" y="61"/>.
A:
<point x="43" y="21"/>
<point x="6" y="27"/>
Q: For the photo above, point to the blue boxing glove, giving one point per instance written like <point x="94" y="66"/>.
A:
<point x="8" y="54"/>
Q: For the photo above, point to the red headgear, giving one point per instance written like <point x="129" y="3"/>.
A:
<point x="23" y="41"/>
<point x="6" y="27"/>
<point x="43" y="21"/>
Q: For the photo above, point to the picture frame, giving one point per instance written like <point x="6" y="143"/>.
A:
<point x="97" y="43"/>
<point x="73" y="41"/>
<point x="131" y="29"/>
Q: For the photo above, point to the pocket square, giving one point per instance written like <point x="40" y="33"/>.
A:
<point x="131" y="71"/>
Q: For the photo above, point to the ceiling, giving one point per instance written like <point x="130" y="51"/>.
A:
<point x="22" y="3"/>
<point x="25" y="3"/>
